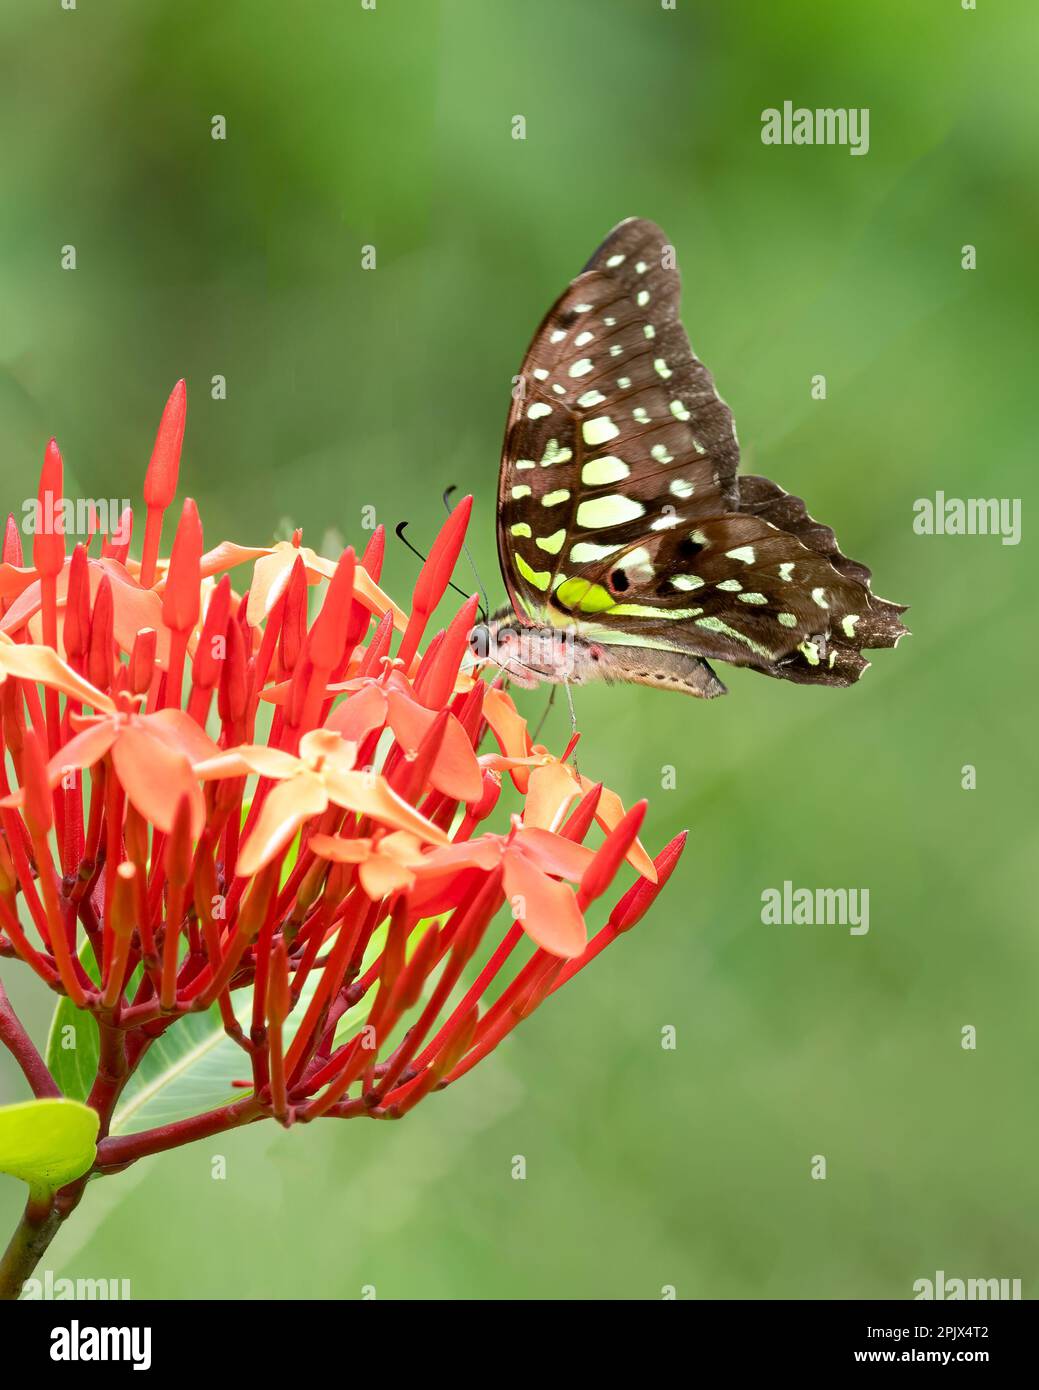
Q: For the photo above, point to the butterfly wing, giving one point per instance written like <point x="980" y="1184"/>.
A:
<point x="620" y="511"/>
<point x="611" y="409"/>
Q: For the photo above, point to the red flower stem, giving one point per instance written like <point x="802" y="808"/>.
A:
<point x="504" y="1026"/>
<point x="20" y="943"/>
<point x="56" y="927"/>
<point x="268" y="646"/>
<point x="158" y="875"/>
<point x="454" y="1022"/>
<point x="150" y="552"/>
<point x="23" y="1050"/>
<point x="117" y="1152"/>
<point x="466" y="938"/>
<point x="36" y="716"/>
<point x="595" y="947"/>
<point x="175" y="669"/>
<point x="261" y="974"/>
<point x="171" y="941"/>
<point x="328" y="986"/>
<point x="14" y="829"/>
<point x="206" y="988"/>
<point x="279" y="1093"/>
<point x="71" y="843"/>
<point x="199" y="700"/>
<point x="523" y="983"/>
<point x="116" y="978"/>
<point x="113" y="853"/>
<point x="49" y="613"/>
<point x="88" y="861"/>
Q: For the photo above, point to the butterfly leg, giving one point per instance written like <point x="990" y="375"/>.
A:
<point x="573" y="722"/>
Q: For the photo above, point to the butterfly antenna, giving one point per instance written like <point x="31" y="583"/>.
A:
<point x="399" y="530"/>
<point x="468" y="555"/>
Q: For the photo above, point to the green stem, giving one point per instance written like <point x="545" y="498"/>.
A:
<point x="33" y="1234"/>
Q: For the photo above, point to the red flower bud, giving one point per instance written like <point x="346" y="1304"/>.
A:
<point x="142" y="661"/>
<point x="39" y="805"/>
<point x="233" y="694"/>
<point x="437" y="678"/>
<point x="293" y="617"/>
<point x="160" y="481"/>
<point x="48" y="542"/>
<point x="116" y="545"/>
<point x="599" y="874"/>
<point x="639" y="898"/>
<point x="178" y="853"/>
<point x="212" y="642"/>
<point x="99" y="653"/>
<point x="12" y="554"/>
<point x="180" y="600"/>
<point x="435" y="576"/>
<point x="328" y="634"/>
<point x="374" y="551"/>
<point x="76" y="631"/>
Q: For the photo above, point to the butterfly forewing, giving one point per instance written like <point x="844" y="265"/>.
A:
<point x="614" y="425"/>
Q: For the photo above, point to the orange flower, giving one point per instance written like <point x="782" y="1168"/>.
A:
<point x="321" y="775"/>
<point x="155" y="757"/>
<point x="532" y="862"/>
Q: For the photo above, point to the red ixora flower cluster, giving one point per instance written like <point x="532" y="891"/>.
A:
<point x="217" y="793"/>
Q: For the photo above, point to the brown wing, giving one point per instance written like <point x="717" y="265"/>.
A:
<point x="613" y="424"/>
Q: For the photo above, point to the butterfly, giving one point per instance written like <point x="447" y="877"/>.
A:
<point x="630" y="548"/>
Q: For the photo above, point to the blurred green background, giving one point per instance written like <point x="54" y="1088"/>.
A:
<point x="349" y="388"/>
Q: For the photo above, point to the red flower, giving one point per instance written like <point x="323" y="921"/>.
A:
<point x="346" y="866"/>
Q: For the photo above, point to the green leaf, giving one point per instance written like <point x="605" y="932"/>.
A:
<point x="187" y="1070"/>
<point x="72" y="1044"/>
<point x="47" y="1143"/>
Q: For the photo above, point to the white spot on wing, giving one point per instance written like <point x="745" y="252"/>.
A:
<point x="599" y="430"/>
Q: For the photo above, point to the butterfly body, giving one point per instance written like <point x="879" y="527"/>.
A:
<point x="630" y="547"/>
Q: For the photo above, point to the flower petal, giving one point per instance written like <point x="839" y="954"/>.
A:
<point x="32" y="663"/>
<point x="286" y="807"/>
<point x="484" y="852"/>
<point x="380" y="876"/>
<point x="356" y="717"/>
<point x="550" y="792"/>
<point x="455" y="771"/>
<point x="155" y="777"/>
<point x="83" y="749"/>
<point x="340" y="849"/>
<point x="548" y="910"/>
<point x="177" y="728"/>
<point x="609" y="813"/>
<point x="249" y="758"/>
<point x="371" y="795"/>
<point x="271" y="575"/>
<point x="328" y="748"/>
<point x="554" y="854"/>
<point x="507" y="724"/>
